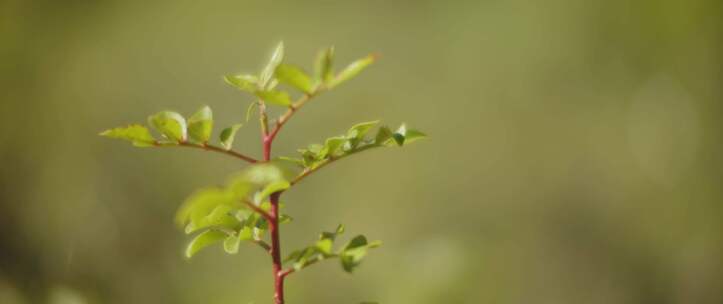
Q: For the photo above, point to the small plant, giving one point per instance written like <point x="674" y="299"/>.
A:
<point x="249" y="204"/>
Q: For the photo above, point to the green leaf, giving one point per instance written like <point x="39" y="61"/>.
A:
<point x="137" y="134"/>
<point x="324" y="66"/>
<point x="249" y="110"/>
<point x="200" y="125"/>
<point x="280" y="98"/>
<point x="231" y="243"/>
<point x="221" y="217"/>
<point x="171" y="124"/>
<point x="268" y="72"/>
<point x="285" y="218"/>
<point x="400" y="135"/>
<point x="352" y="70"/>
<point x="413" y="135"/>
<point x="295" y="77"/>
<point x="203" y="240"/>
<point x="383" y="135"/>
<point x="331" y="145"/>
<point x="353" y="253"/>
<point x="271" y="188"/>
<point x="246" y="83"/>
<point x="359" y="130"/>
<point x="201" y="204"/>
<point x="227" y="136"/>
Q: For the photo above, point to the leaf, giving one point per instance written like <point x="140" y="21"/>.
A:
<point x="249" y="110"/>
<point x="246" y="83"/>
<point x="268" y="72"/>
<point x="413" y="135"/>
<point x="200" y="125"/>
<point x="352" y="70"/>
<point x="353" y="253"/>
<point x="227" y="136"/>
<point x="171" y="124"/>
<point x="231" y="243"/>
<point x="271" y="188"/>
<point x="280" y="98"/>
<point x="324" y="65"/>
<point x="331" y="145"/>
<point x="137" y="134"/>
<point x="383" y="135"/>
<point x="326" y="240"/>
<point x="220" y="217"/>
<point x="400" y="135"/>
<point x="359" y="130"/>
<point x="203" y="240"/>
<point x="294" y="76"/>
<point x="200" y="204"/>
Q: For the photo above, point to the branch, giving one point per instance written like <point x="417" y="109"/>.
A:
<point x="291" y="111"/>
<point x="258" y="210"/>
<point x="263" y="245"/>
<point x="309" y="171"/>
<point x="213" y="148"/>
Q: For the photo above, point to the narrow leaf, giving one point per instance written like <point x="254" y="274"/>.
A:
<point x="246" y="83"/>
<point x="359" y="130"/>
<point x="203" y="240"/>
<point x="171" y="124"/>
<point x="268" y="72"/>
<point x="352" y="70"/>
<point x="383" y="135"/>
<point x="227" y="136"/>
<point x="280" y="98"/>
<point x="324" y="66"/>
<point x="413" y="135"/>
<point x="294" y="76"/>
<point x="137" y="134"/>
<point x="200" y="125"/>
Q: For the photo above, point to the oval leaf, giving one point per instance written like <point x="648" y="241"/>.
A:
<point x="200" y="125"/>
<point x="171" y="124"/>
<point x="280" y="98"/>
<point x="246" y="83"/>
<point x="137" y="134"/>
<point x="203" y="240"/>
<point x="294" y="76"/>
<point x="227" y="136"/>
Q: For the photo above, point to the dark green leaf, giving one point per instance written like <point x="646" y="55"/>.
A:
<point x="295" y="77"/>
<point x="200" y="125"/>
<point x="383" y="135"/>
<point x="280" y="98"/>
<point x="227" y="136"/>
<point x="203" y="240"/>
<point x="352" y="70"/>
<point x="137" y="134"/>
<point x="171" y="124"/>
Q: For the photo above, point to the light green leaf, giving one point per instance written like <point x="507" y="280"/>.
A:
<point x="200" y="125"/>
<point x="280" y="98"/>
<point x="359" y="130"/>
<point x="246" y="83"/>
<point x="171" y="124"/>
<point x="203" y="240"/>
<point x="413" y="135"/>
<point x="137" y="134"/>
<point x="331" y="146"/>
<point x="200" y="204"/>
<point x="352" y="70"/>
<point x="271" y="188"/>
<point x="249" y="110"/>
<point x="231" y="243"/>
<point x="294" y="76"/>
<point x="285" y="218"/>
<point x="220" y="217"/>
<point x="324" y="65"/>
<point x="227" y="136"/>
<point x="268" y="72"/>
<point x="353" y="253"/>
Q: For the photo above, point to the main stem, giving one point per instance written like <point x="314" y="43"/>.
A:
<point x="274" y="229"/>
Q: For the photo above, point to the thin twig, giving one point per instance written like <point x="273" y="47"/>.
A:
<point x="213" y="148"/>
<point x="329" y="160"/>
<point x="258" y="210"/>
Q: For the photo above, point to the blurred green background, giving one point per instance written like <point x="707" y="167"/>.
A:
<point x="574" y="154"/>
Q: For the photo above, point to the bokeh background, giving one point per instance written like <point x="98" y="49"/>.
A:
<point x="574" y="157"/>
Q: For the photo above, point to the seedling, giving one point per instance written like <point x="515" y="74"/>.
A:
<point x="249" y="206"/>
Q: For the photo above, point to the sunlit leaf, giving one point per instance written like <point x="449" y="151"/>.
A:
<point x="137" y="134"/>
<point x="359" y="130"/>
<point x="200" y="204"/>
<point x="271" y="188"/>
<point x="231" y="243"/>
<point x="294" y="76"/>
<point x="268" y="72"/>
<point x="227" y="136"/>
<point x="246" y="83"/>
<point x="171" y="124"/>
<point x="352" y="70"/>
<point x="203" y="240"/>
<point x="280" y="98"/>
<point x="200" y="125"/>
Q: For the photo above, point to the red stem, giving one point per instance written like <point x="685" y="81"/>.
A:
<point x="275" y="249"/>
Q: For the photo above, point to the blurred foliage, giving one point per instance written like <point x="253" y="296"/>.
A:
<point x="574" y="153"/>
